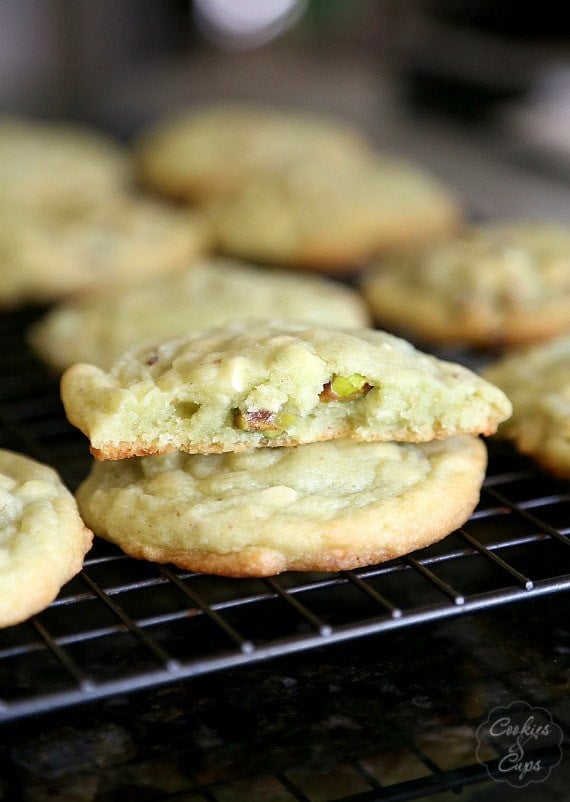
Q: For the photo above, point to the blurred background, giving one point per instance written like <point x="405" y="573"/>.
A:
<point x="119" y="63"/>
<point x="425" y="77"/>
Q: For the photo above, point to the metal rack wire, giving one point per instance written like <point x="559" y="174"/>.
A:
<point x="123" y="625"/>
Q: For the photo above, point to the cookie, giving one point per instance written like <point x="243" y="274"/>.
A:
<point x="274" y="384"/>
<point x="98" y="327"/>
<point x="210" y="151"/>
<point x="332" y="216"/>
<point x="493" y="285"/>
<point x="45" y="258"/>
<point x="42" y="537"/>
<point x="58" y="168"/>
<point x="321" y="507"/>
<point x="537" y="381"/>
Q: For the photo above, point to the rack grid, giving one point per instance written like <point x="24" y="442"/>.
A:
<point x="123" y="625"/>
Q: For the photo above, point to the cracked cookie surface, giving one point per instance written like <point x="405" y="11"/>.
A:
<point x="274" y="384"/>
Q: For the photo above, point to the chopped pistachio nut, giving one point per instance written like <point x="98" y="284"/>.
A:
<point x="261" y="420"/>
<point x="271" y="424"/>
<point x="344" y="388"/>
<point x="283" y="421"/>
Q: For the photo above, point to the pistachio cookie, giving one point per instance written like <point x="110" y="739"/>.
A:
<point x="319" y="507"/>
<point x="58" y="168"/>
<point x="274" y="384"/>
<point x="42" y="537"/>
<point x="537" y="381"/>
<point x="332" y="216"/>
<point x="45" y="258"/>
<point x="210" y="151"/>
<point x="491" y="285"/>
<point x="97" y="327"/>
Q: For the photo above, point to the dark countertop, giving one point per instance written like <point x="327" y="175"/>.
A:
<point x="321" y="722"/>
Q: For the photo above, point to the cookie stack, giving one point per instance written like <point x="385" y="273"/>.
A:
<point x="253" y="449"/>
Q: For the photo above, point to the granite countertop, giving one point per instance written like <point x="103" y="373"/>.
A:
<point x="399" y="708"/>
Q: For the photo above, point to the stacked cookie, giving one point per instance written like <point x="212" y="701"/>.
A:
<point x="252" y="449"/>
<point x="70" y="220"/>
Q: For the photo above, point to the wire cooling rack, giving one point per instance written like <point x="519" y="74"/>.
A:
<point x="124" y="625"/>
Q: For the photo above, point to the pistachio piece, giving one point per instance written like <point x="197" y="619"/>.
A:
<point x="271" y="424"/>
<point x="344" y="388"/>
<point x="260" y="420"/>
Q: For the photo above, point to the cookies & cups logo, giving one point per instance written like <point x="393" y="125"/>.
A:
<point x="526" y="741"/>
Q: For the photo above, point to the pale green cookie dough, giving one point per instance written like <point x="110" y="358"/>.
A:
<point x="58" y="168"/>
<point x="537" y="381"/>
<point x="46" y="257"/>
<point x="42" y="538"/>
<point x="243" y="386"/>
<point x="490" y="285"/>
<point x="332" y="216"/>
<point x="210" y="151"/>
<point x="98" y="327"/>
<point x="322" y="507"/>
